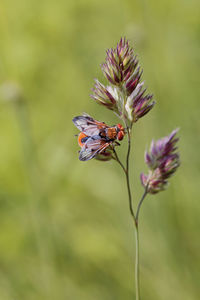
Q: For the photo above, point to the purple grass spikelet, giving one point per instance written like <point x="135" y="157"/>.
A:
<point x="106" y="96"/>
<point x="125" y="94"/>
<point x="162" y="161"/>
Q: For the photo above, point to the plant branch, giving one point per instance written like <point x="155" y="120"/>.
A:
<point x="140" y="203"/>
<point x="137" y="266"/>
<point x="116" y="157"/>
<point x="127" y="173"/>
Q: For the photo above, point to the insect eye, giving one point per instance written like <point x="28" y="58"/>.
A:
<point x="120" y="135"/>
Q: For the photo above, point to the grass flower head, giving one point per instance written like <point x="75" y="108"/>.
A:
<point x="162" y="161"/>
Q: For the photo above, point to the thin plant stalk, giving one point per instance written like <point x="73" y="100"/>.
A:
<point x="137" y="263"/>
<point x="127" y="173"/>
<point x="140" y="204"/>
<point x="137" y="279"/>
<point x="137" y="255"/>
<point x="134" y="216"/>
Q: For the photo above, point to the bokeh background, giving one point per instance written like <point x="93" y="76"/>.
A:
<point x="65" y="228"/>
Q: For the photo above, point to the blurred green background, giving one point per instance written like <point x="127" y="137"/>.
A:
<point x="65" y="228"/>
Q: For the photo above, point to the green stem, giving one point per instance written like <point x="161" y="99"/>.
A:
<point x="137" y="269"/>
<point x="118" y="160"/>
<point x="127" y="173"/>
<point x="140" y="203"/>
<point x="130" y="196"/>
<point x="135" y="217"/>
<point x="137" y="261"/>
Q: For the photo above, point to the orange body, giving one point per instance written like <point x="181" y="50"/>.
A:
<point x="113" y="133"/>
<point x="81" y="138"/>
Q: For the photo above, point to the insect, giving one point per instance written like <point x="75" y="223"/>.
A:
<point x="95" y="137"/>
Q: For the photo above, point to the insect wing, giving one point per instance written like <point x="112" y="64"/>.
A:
<point x="88" y="125"/>
<point x="93" y="146"/>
